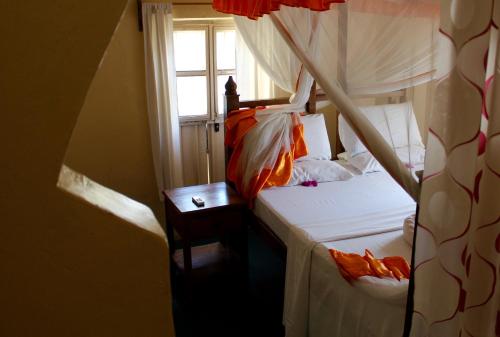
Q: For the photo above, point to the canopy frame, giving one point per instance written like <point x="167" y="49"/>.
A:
<point x="367" y="134"/>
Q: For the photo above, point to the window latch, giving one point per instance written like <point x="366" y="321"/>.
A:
<point x="216" y="127"/>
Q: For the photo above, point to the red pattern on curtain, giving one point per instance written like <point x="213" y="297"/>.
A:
<point x="254" y="9"/>
<point x="457" y="256"/>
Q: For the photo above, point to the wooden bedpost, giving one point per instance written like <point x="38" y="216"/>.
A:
<point x="339" y="148"/>
<point x="231" y="102"/>
<point x="410" y="303"/>
<point x="311" y="103"/>
<point x="341" y="68"/>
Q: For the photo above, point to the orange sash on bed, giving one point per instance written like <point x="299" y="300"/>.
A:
<point x="238" y="124"/>
<point x="353" y="266"/>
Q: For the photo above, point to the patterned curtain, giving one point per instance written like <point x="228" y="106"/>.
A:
<point x="458" y="242"/>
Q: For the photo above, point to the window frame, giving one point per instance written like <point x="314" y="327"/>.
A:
<point x="211" y="27"/>
<point x="220" y="72"/>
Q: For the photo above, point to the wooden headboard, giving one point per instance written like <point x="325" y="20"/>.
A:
<point x="232" y="102"/>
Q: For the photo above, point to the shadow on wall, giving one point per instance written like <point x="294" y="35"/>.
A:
<point x="68" y="268"/>
<point x="111" y="140"/>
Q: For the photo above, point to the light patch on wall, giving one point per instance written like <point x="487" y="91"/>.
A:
<point x="107" y="200"/>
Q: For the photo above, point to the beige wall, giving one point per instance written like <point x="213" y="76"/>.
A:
<point x="330" y="113"/>
<point x="421" y="96"/>
<point x="67" y="267"/>
<point x="198" y="11"/>
<point x="111" y="140"/>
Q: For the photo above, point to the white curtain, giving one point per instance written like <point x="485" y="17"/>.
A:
<point x="457" y="256"/>
<point x="162" y="94"/>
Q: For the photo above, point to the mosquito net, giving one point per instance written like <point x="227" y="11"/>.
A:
<point x="361" y="47"/>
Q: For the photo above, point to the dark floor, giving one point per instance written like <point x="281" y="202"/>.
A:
<point x="227" y="303"/>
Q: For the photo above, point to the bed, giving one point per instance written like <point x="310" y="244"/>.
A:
<point x="302" y="223"/>
<point x="334" y="305"/>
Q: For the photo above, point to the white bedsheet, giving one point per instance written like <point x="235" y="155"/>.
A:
<point x="309" y="220"/>
<point x="374" y="202"/>
<point x="338" y="309"/>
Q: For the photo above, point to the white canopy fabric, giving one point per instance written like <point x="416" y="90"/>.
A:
<point x="360" y="47"/>
<point x="253" y="82"/>
<point x="270" y="50"/>
<point x="377" y="46"/>
<point x="276" y="58"/>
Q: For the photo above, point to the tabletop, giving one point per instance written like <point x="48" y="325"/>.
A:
<point x="216" y="195"/>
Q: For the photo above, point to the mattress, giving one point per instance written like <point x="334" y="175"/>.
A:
<point x="365" y="199"/>
<point x="365" y="212"/>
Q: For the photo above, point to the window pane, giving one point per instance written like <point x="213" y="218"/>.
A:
<point x="221" y="82"/>
<point x="192" y="95"/>
<point x="189" y="48"/>
<point x="226" y="50"/>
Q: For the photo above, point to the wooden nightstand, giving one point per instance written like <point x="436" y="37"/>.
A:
<point x="223" y="216"/>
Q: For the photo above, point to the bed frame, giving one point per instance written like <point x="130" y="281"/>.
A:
<point x="232" y="102"/>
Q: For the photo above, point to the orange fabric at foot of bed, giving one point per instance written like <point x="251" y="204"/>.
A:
<point x="353" y="266"/>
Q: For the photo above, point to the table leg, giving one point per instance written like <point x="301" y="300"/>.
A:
<point x="170" y="234"/>
<point x="186" y="249"/>
<point x="245" y="222"/>
<point x="169" y="227"/>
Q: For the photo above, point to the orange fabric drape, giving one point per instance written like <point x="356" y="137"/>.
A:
<point x="353" y="266"/>
<point x="237" y="125"/>
<point x="254" y="9"/>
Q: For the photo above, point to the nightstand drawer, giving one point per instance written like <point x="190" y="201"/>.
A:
<point x="210" y="224"/>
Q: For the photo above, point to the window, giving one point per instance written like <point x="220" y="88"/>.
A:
<point x="205" y="55"/>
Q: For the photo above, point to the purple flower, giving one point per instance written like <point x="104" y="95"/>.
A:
<point x="310" y="183"/>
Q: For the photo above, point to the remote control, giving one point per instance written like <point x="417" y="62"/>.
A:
<point x="198" y="201"/>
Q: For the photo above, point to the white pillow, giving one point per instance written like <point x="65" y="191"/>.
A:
<point x="391" y="121"/>
<point x="409" y="229"/>
<point x="316" y="138"/>
<point x="319" y="171"/>
<point x="365" y="162"/>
